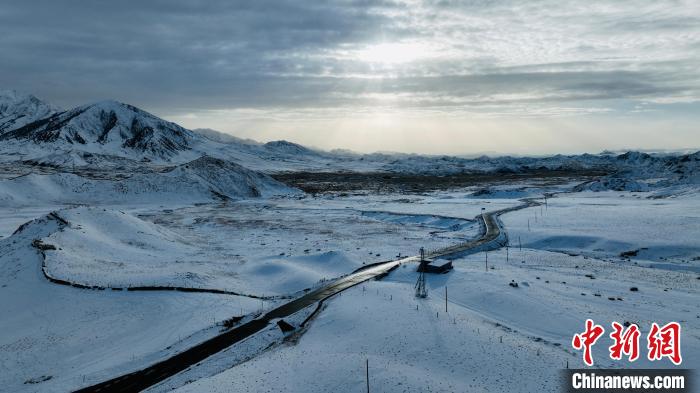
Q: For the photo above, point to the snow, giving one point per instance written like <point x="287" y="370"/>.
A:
<point x="12" y="218"/>
<point x="278" y="246"/>
<point x="111" y="128"/>
<point x="249" y="247"/>
<point x="265" y="340"/>
<point x="665" y="174"/>
<point x="17" y="110"/>
<point x="202" y="180"/>
<point x="493" y="337"/>
<point x="665" y="232"/>
<point x="445" y="223"/>
<point x="70" y="334"/>
<point x="458" y="204"/>
<point x="149" y="203"/>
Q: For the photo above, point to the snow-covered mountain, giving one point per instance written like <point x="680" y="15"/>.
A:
<point x="109" y="136"/>
<point x="636" y="171"/>
<point x="283" y="156"/>
<point x="222" y="137"/>
<point x="108" y="127"/>
<point x="111" y="151"/>
<point x="17" y="110"/>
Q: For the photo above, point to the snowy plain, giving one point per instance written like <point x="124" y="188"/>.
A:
<point x="494" y="337"/>
<point x="660" y="233"/>
<point x="247" y="247"/>
<point x="124" y="329"/>
<point x="280" y="246"/>
<point x="119" y="198"/>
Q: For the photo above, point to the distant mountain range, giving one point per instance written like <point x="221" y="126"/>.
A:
<point x="112" y="128"/>
<point x="110" y="134"/>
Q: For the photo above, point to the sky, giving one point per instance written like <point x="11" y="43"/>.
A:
<point x="435" y="77"/>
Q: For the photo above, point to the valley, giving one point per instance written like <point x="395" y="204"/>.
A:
<point x="136" y="254"/>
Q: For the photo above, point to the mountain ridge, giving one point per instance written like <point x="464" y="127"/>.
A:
<point x="18" y="109"/>
<point x="109" y="126"/>
<point x="101" y="135"/>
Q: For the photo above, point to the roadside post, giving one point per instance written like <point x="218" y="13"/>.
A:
<point x="367" y="373"/>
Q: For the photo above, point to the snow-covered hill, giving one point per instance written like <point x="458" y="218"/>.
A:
<point x="108" y="127"/>
<point x="440" y="165"/>
<point x="666" y="174"/>
<point x="200" y="180"/>
<point x="116" y="153"/>
<point x="17" y="110"/>
<point x="55" y="337"/>
<point x="222" y="137"/>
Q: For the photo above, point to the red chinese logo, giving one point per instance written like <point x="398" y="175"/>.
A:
<point x="665" y="342"/>
<point x="626" y="342"/>
<point x="662" y="342"/>
<point x="586" y="340"/>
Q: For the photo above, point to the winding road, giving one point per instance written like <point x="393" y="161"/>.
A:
<point x="149" y="376"/>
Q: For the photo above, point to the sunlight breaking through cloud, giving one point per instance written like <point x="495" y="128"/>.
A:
<point x="438" y="60"/>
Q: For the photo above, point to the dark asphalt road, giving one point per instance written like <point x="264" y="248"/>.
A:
<point x="142" y="379"/>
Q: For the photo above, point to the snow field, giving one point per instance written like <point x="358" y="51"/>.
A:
<point x="664" y="232"/>
<point x="493" y="338"/>
<point x="78" y="336"/>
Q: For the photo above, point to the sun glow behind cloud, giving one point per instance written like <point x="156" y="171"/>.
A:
<point x="551" y="75"/>
<point x="394" y="53"/>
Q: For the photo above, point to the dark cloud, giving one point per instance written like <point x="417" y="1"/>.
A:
<point x="193" y="55"/>
<point x="114" y="46"/>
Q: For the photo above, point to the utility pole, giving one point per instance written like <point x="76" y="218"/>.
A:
<point x="445" y="298"/>
<point x="367" y="373"/>
<point x="421" y="292"/>
<point x="486" y="253"/>
<point x="520" y="245"/>
<point x="507" y="257"/>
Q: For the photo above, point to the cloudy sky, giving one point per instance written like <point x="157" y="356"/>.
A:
<point x="441" y="76"/>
